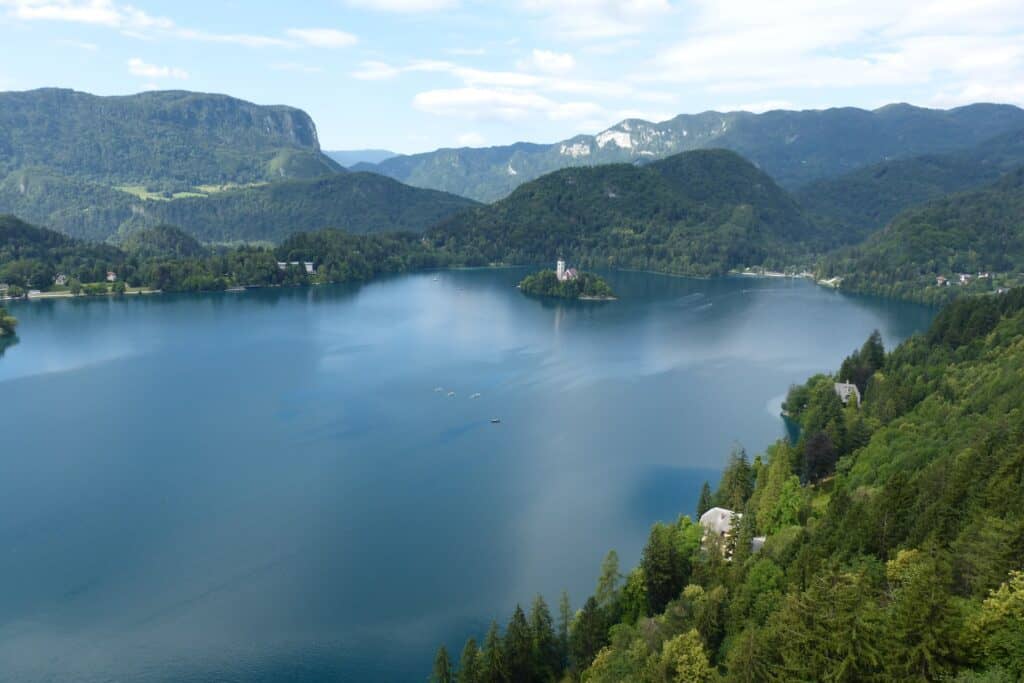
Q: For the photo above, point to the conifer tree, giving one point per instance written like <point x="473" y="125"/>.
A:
<point x="608" y="582"/>
<point x="442" y="667"/>
<point x="705" y="502"/>
<point x="494" y="668"/>
<point x="519" y="647"/>
<point x="547" y="660"/>
<point x="470" y="663"/>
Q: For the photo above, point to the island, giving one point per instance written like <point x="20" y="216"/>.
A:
<point x="567" y="283"/>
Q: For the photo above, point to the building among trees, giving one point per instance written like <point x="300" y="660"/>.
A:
<point x="844" y="390"/>
<point x="565" y="274"/>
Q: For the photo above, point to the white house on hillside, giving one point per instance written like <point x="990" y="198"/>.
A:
<point x="845" y="390"/>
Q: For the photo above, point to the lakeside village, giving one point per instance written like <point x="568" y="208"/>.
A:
<point x="1007" y="280"/>
<point x="65" y="287"/>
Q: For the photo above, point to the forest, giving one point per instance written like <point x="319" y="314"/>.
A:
<point x="894" y="539"/>
<point x="167" y="259"/>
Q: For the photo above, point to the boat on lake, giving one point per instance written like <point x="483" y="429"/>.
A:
<point x="495" y="420"/>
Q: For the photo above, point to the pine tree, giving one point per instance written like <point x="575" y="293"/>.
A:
<point x="442" y="667"/>
<point x="564" y="620"/>
<point x="589" y="635"/>
<point x="494" y="669"/>
<point x="705" y="502"/>
<point x="608" y="582"/>
<point x="663" y="569"/>
<point x="547" y="660"/>
<point x="469" y="663"/>
<point x="519" y="647"/>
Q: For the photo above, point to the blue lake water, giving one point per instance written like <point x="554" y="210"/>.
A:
<point x="266" y="486"/>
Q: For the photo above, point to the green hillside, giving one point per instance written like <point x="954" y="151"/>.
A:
<point x="853" y="205"/>
<point x="358" y="202"/>
<point x="700" y="212"/>
<point x="794" y="147"/>
<point x="167" y="139"/>
<point x="894" y="540"/>
<point x="974" y="232"/>
<point x="355" y="202"/>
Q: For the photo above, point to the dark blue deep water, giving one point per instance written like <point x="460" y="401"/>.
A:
<point x="266" y="486"/>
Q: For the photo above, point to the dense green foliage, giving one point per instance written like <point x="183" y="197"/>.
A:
<point x="7" y="323"/>
<point x="974" y="232"/>
<point x="170" y="139"/>
<point x="793" y="147"/>
<point x="357" y="202"/>
<point x="700" y="212"/>
<point x="165" y="258"/>
<point x="585" y="286"/>
<point x="354" y="202"/>
<point x="853" y="205"/>
<point x="898" y="559"/>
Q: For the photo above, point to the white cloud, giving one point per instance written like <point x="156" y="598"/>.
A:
<point x="243" y="39"/>
<point x="137" y="67"/>
<point x="376" y="71"/>
<point x="942" y="45"/>
<point x="404" y="6"/>
<point x="465" y="51"/>
<point x="136" y="23"/>
<point x="549" y="62"/>
<point x="322" y="37"/>
<point x="597" y="19"/>
<point x="97" y="12"/>
<point x="490" y="104"/>
<point x="471" y="139"/>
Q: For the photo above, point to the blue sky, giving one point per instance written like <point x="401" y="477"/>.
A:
<point x="414" y="75"/>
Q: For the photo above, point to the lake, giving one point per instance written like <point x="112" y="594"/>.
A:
<point x="277" y="485"/>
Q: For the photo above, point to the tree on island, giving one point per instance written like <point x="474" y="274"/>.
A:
<point x="584" y="285"/>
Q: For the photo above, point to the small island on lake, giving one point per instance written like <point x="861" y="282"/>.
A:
<point x="567" y="283"/>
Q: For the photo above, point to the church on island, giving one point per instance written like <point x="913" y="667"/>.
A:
<point x="565" y="274"/>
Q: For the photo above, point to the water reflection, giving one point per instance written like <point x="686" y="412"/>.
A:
<point x="260" y="485"/>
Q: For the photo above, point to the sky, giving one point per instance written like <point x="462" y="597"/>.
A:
<point x="416" y="75"/>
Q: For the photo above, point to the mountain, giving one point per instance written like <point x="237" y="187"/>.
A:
<point x="358" y="202"/>
<point x="354" y="202"/>
<point x="700" y="212"/>
<point x="351" y="157"/>
<point x="171" y="139"/>
<point x="853" y="205"/>
<point x="794" y="147"/>
<point x="970" y="232"/>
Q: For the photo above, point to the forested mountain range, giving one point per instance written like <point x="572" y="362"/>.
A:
<point x="794" y="147"/>
<point x="853" y="205"/>
<point x="269" y="212"/>
<point x="699" y="212"/>
<point x="971" y="233"/>
<point x="164" y="139"/>
<point x="893" y="551"/>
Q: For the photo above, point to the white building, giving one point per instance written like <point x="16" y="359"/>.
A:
<point x="844" y="390"/>
<point x="564" y="273"/>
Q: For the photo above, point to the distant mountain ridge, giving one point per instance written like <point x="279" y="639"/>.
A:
<point x="794" y="147"/>
<point x="351" y="157"/>
<point x="166" y="138"/>
<point x="853" y="205"/>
